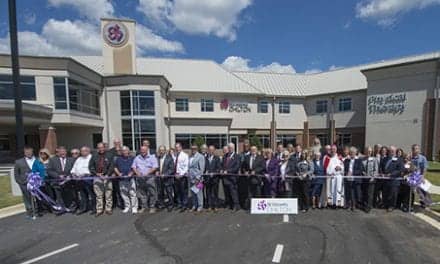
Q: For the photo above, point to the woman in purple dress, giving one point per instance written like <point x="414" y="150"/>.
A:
<point x="271" y="174"/>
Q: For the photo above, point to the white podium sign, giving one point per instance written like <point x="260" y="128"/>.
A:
<point x="274" y="206"/>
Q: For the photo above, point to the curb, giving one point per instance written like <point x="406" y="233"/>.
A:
<point x="12" y="210"/>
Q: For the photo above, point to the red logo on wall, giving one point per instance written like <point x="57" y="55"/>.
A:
<point x="224" y="104"/>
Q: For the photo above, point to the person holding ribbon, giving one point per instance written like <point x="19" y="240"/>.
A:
<point x="80" y="169"/>
<point x="371" y="169"/>
<point x="101" y="167"/>
<point x="127" y="185"/>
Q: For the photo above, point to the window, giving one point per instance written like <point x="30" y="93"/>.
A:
<point x="217" y="140"/>
<point x="27" y="84"/>
<point x="138" y="118"/>
<point x="263" y="107"/>
<point x="59" y="90"/>
<point x="284" y="107"/>
<point x="324" y="139"/>
<point x="4" y="143"/>
<point x="344" y="104"/>
<point x="344" y="139"/>
<point x="321" y="106"/>
<point x="83" y="98"/>
<point x="207" y="105"/>
<point x="182" y="105"/>
<point x="286" y="139"/>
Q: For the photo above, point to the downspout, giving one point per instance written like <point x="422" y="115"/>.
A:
<point x="167" y="94"/>
<point x="436" y="109"/>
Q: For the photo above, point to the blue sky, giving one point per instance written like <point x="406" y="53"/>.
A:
<point x="259" y="35"/>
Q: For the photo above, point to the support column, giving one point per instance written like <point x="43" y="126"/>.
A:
<point x="273" y="127"/>
<point x="48" y="138"/>
<point x="332" y="132"/>
<point x="306" y="135"/>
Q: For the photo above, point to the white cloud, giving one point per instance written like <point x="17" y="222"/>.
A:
<point x="386" y="12"/>
<point x="147" y="41"/>
<point x="236" y="63"/>
<point x="29" y="17"/>
<point x="215" y="17"/>
<point x="312" y="71"/>
<point x="58" y="38"/>
<point x="334" y="67"/>
<point x="65" y="38"/>
<point x="90" y="9"/>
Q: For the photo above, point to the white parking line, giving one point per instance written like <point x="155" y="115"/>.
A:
<point x="278" y="252"/>
<point x="50" y="254"/>
<point x="286" y="218"/>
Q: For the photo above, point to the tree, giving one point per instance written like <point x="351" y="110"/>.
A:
<point x="198" y="141"/>
<point x="255" y="140"/>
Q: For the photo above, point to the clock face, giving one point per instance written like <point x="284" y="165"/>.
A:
<point x="115" y="34"/>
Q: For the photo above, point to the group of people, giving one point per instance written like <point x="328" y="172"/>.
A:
<point x="208" y="179"/>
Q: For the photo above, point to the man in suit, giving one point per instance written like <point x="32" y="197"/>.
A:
<point x="242" y="182"/>
<point x="58" y="169"/>
<point x="393" y="169"/>
<point x="231" y="167"/>
<point x="254" y="166"/>
<point x="181" y="179"/>
<point x="116" y="152"/>
<point x="353" y="166"/>
<point x="166" y="179"/>
<point x="22" y="167"/>
<point x="101" y="166"/>
<point x="195" y="171"/>
<point x="212" y="168"/>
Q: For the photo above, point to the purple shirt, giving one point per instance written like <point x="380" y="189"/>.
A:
<point x="144" y="164"/>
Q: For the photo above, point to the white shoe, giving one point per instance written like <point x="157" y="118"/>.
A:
<point x="134" y="210"/>
<point x="126" y="210"/>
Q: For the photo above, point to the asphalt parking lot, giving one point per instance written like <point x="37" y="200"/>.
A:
<point x="320" y="236"/>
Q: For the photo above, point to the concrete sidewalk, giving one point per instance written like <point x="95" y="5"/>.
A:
<point x="12" y="210"/>
<point x="434" y="189"/>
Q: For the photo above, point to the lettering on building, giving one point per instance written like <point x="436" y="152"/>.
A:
<point x="394" y="104"/>
<point x="238" y="107"/>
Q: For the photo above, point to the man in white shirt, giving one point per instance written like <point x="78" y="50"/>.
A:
<point x="181" y="172"/>
<point x="84" y="188"/>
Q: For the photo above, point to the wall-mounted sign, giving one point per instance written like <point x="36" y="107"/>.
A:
<point x="387" y="104"/>
<point x="238" y="107"/>
<point x="115" y="34"/>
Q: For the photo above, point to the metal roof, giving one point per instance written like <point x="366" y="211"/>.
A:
<point x="189" y="75"/>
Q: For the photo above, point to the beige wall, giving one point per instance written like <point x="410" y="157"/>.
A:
<point x="249" y="120"/>
<point x="417" y="81"/>
<point x="353" y="118"/>
<point x="75" y="137"/>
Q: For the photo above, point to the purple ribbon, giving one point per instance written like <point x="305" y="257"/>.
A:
<point x="415" y="179"/>
<point x="34" y="183"/>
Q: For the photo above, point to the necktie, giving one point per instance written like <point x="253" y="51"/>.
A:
<point x="175" y="163"/>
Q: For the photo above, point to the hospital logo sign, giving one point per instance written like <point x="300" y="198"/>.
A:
<point x="274" y="206"/>
<point x="237" y="107"/>
<point x="115" y="34"/>
<point x="394" y="104"/>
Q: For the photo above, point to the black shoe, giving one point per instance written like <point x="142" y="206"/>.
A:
<point x="80" y="212"/>
<point x="170" y="209"/>
<point x="182" y="210"/>
<point x="93" y="212"/>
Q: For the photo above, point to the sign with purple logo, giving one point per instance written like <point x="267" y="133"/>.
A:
<point x="115" y="34"/>
<point x="274" y="206"/>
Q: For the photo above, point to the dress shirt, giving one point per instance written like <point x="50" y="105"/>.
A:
<point x="143" y="164"/>
<point x="182" y="163"/>
<point x="81" y="166"/>
<point x="30" y="161"/>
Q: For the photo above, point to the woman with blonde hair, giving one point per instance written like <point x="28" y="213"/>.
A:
<point x="40" y="167"/>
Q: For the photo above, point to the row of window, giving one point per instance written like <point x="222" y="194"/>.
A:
<point x="207" y="105"/>
<point x="343" y="105"/>
<point x="27" y="84"/>
<point x="73" y="95"/>
<point x="138" y="118"/>
<point x="344" y="139"/>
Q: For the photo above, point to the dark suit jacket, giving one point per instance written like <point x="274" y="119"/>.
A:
<point x="233" y="166"/>
<point x="54" y="169"/>
<point x="358" y="168"/>
<point x="21" y="169"/>
<point x="292" y="166"/>
<point x="395" y="168"/>
<point x="213" y="166"/>
<point x="258" y="167"/>
<point x="383" y="161"/>
<point x="108" y="164"/>
<point x="168" y="165"/>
